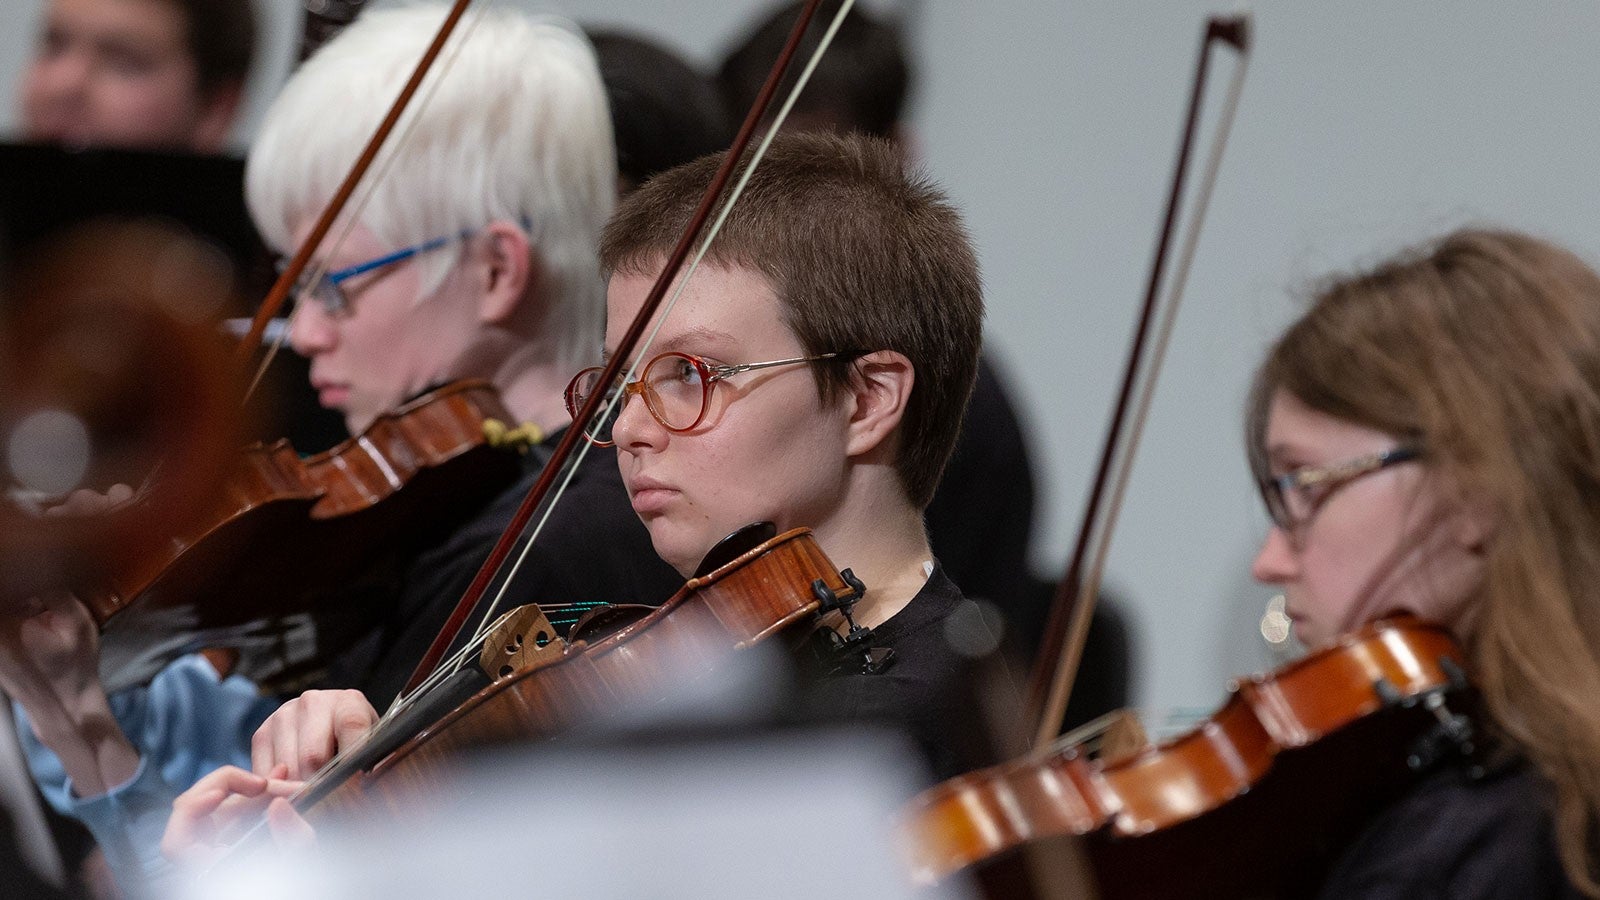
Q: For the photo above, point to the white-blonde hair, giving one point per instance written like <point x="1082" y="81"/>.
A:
<point x="515" y="129"/>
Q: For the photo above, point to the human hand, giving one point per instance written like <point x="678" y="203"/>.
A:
<point x="90" y="503"/>
<point x="208" y="817"/>
<point x="49" y="650"/>
<point x="307" y="731"/>
<point x="50" y="663"/>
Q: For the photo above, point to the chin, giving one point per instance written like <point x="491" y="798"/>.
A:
<point x="674" y="551"/>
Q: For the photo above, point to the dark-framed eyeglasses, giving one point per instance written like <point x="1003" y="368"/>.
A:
<point x="328" y="291"/>
<point x="676" y="388"/>
<point x="1293" y="498"/>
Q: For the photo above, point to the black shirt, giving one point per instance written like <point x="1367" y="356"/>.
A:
<point x="1458" y="837"/>
<point x="981" y="516"/>
<point x="928" y="688"/>
<point x="593" y="549"/>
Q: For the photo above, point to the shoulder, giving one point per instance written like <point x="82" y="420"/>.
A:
<point x="1460" y="837"/>
<point x="929" y="684"/>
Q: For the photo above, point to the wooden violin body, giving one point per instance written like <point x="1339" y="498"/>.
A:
<point x="267" y="569"/>
<point x="1253" y="802"/>
<point x="767" y="591"/>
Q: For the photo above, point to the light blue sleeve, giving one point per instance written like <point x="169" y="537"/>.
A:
<point x="186" y="723"/>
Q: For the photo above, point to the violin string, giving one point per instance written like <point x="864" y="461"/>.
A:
<point x="374" y="177"/>
<point x="467" y="651"/>
<point x="454" y="663"/>
<point x="725" y="210"/>
<point x="1095" y="571"/>
<point x="688" y="273"/>
<point x="352" y="215"/>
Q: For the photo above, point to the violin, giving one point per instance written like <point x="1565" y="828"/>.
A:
<point x="755" y="586"/>
<point x="283" y="534"/>
<point x="1242" y="805"/>
<point x="529" y="685"/>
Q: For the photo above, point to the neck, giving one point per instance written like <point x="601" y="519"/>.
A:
<point x="879" y="536"/>
<point x="531" y="388"/>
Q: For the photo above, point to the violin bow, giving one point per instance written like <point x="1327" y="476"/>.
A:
<point x="631" y="339"/>
<point x="1050" y="683"/>
<point x="279" y="294"/>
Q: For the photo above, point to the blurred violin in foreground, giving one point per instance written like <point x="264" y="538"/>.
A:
<point x="115" y="374"/>
<point x="112" y="373"/>
<point x="1255" y="801"/>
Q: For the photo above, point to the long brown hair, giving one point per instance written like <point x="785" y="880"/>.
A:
<point x="1484" y="349"/>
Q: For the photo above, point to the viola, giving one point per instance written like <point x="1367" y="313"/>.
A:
<point x="755" y="587"/>
<point x="284" y="534"/>
<point x="1241" y="805"/>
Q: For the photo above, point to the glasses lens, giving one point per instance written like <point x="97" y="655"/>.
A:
<point x="327" y="295"/>
<point x="330" y="297"/>
<point x="1272" y="495"/>
<point x="675" y="388"/>
<point x="580" y="390"/>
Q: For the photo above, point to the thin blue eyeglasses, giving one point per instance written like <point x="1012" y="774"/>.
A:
<point x="328" y="293"/>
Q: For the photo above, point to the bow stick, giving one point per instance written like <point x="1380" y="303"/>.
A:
<point x="279" y="294"/>
<point x="1050" y="684"/>
<point x="620" y="358"/>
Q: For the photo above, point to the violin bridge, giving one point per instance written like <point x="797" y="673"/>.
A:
<point x="517" y="640"/>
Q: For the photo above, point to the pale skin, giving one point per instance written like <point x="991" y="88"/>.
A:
<point x="1390" y="541"/>
<point x="118" y="73"/>
<point x="480" y="322"/>
<point x="769" y="449"/>
<point x="476" y="324"/>
<point x="49" y="662"/>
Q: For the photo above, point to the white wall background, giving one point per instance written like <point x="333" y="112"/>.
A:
<point x="1366" y="124"/>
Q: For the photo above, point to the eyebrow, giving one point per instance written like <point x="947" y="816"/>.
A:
<point x="693" y="337"/>
<point x="1287" y="456"/>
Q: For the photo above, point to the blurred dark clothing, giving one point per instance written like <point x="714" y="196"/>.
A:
<point x="45" y="191"/>
<point x="931" y="688"/>
<point x="593" y="549"/>
<point x="1454" y="836"/>
<point x="981" y="519"/>
<point x="980" y="524"/>
<point x="17" y="876"/>
<point x="664" y="111"/>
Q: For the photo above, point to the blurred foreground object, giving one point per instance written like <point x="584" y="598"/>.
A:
<point x="113" y="373"/>
<point x="778" y="815"/>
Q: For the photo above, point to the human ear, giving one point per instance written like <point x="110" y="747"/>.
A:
<point x="510" y="269"/>
<point x="878" y="391"/>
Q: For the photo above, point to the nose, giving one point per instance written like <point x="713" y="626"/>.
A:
<point x="634" y="427"/>
<point x="1276" y="562"/>
<point x="312" y="331"/>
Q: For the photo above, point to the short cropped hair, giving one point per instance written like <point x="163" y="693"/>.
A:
<point x="221" y="37"/>
<point x="861" y="83"/>
<point x="514" y="129"/>
<point x="862" y="257"/>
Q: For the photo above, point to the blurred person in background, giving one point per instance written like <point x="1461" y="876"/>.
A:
<point x="138" y="74"/>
